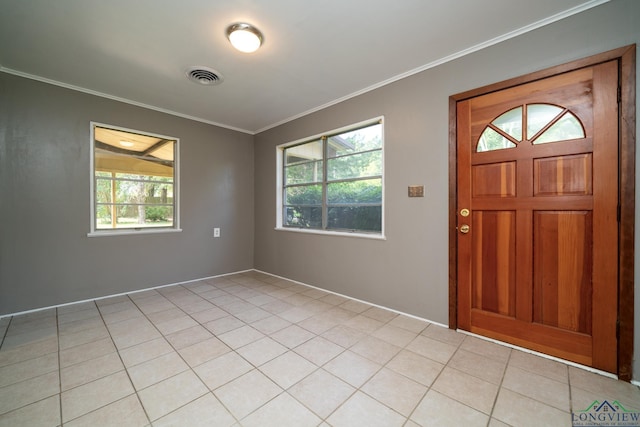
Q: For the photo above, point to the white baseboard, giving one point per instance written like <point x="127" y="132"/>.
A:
<point x="35" y="310"/>
<point x="546" y="356"/>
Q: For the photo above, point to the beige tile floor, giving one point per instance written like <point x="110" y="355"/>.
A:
<point x="256" y="350"/>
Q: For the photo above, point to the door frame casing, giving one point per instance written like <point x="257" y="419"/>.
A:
<point x="626" y="57"/>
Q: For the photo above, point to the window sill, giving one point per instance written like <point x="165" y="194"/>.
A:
<point x="334" y="233"/>
<point x="132" y="231"/>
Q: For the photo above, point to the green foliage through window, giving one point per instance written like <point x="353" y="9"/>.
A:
<point x="335" y="182"/>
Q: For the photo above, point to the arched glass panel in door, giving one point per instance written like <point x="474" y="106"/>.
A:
<point x="544" y="123"/>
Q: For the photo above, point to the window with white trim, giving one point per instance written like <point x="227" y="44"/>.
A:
<point x="333" y="182"/>
<point x="134" y="181"/>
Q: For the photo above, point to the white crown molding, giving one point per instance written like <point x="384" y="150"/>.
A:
<point x="554" y="18"/>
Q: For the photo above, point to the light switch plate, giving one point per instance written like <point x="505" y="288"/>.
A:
<point x="416" y="191"/>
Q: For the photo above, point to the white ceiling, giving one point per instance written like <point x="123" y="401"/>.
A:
<point x="315" y="53"/>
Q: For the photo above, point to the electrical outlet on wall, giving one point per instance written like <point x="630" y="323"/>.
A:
<point x="216" y="232"/>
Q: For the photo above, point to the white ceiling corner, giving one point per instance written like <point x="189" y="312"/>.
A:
<point x="315" y="54"/>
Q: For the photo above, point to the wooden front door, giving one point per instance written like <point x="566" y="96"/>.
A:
<point x="537" y="215"/>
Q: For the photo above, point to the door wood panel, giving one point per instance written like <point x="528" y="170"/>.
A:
<point x="572" y="175"/>
<point x="562" y="270"/>
<point x="459" y="188"/>
<point x="497" y="179"/>
<point x="539" y="266"/>
<point x="495" y="261"/>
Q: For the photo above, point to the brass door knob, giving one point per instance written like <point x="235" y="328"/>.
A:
<point x="464" y="228"/>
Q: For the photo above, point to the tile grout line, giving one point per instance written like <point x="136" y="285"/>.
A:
<point x="404" y="348"/>
<point x="444" y="365"/>
<point x="75" y="364"/>
<point x="28" y="378"/>
<point x="175" y="350"/>
<point x="123" y="364"/>
<point x="495" y="400"/>
<point x="570" y="394"/>
<point x="285" y="391"/>
<point x="547" y="378"/>
<point x="176" y="302"/>
<point x="359" y="388"/>
<point x="192" y="367"/>
<point x="213" y="334"/>
<point x="540" y="354"/>
<point x="430" y="385"/>
<point x="6" y="332"/>
<point x="407" y="418"/>
<point x="538" y="400"/>
<point x="257" y="368"/>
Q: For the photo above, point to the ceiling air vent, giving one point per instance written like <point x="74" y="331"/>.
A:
<point x="204" y="76"/>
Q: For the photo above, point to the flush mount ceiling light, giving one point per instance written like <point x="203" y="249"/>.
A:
<point x="244" y="37"/>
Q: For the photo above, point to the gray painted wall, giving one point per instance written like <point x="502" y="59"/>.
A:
<point x="409" y="271"/>
<point x="46" y="257"/>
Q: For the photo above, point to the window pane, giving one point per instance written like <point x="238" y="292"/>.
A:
<point x="303" y="153"/>
<point x="365" y="218"/>
<point x="364" y="139"/>
<point x="103" y="216"/>
<point x="134" y="179"/>
<point x="303" y="173"/>
<point x="103" y="190"/>
<point x="491" y="140"/>
<point x="303" y="195"/>
<point x="134" y="216"/>
<point x="157" y="193"/>
<point x="355" y="166"/>
<point x="510" y="123"/>
<point x="338" y="175"/>
<point x="568" y="127"/>
<point x="158" y="214"/>
<point x="303" y="216"/>
<point x="538" y="116"/>
<point x="355" y="192"/>
<point x="143" y="192"/>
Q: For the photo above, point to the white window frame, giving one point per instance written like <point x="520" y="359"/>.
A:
<point x="92" y="197"/>
<point x="280" y="183"/>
